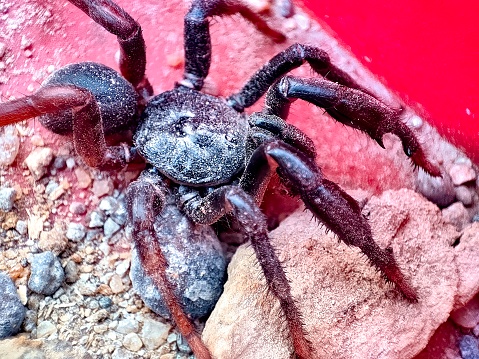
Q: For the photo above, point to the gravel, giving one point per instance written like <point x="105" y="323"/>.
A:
<point x="7" y="198"/>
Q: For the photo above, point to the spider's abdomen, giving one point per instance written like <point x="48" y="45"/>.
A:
<point x="192" y="138"/>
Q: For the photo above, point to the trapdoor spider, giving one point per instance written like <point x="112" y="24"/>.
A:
<point x="206" y="153"/>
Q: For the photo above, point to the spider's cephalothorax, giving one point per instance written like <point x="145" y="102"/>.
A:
<point x="192" y="141"/>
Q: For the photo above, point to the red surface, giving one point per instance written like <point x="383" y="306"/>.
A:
<point x="426" y="51"/>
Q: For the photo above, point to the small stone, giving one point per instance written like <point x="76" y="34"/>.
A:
<point x="462" y="173"/>
<point x="59" y="163"/>
<point x="21" y="227"/>
<point x="467" y="316"/>
<point x="457" y="215"/>
<point x="46" y="275"/>
<point x="120" y="215"/>
<point x="464" y="195"/>
<point x="77" y="208"/>
<point x="12" y="311"/>
<point x="122" y="267"/>
<point x="154" y="333"/>
<point x="76" y="232"/>
<point x="105" y="302"/>
<point x="97" y="219"/>
<point x="53" y="241"/>
<point x="116" y="284"/>
<point x="9" y="145"/>
<point x="108" y="205"/>
<point x="71" y="272"/>
<point x="10" y="220"/>
<point x="70" y="162"/>
<point x="7" y="198"/>
<point x="37" y="140"/>
<point x="127" y="326"/>
<point x="469" y="347"/>
<point x="98" y="316"/>
<point x="45" y="329"/>
<point x="102" y="187"/>
<point x="22" y="293"/>
<point x="83" y="178"/>
<point x="132" y="342"/>
<point x="38" y="161"/>
<point x="110" y="228"/>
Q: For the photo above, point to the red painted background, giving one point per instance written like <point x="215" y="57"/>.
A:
<point x="427" y="51"/>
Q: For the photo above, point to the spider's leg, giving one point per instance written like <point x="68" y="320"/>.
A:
<point x="198" y="40"/>
<point x="145" y="200"/>
<point x="88" y="132"/>
<point x="128" y="32"/>
<point x="287" y="60"/>
<point x="209" y="209"/>
<point x="351" y="107"/>
<point x="328" y="202"/>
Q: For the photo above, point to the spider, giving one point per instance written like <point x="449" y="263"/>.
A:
<point x="205" y="154"/>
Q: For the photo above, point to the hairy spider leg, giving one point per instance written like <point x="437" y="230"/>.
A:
<point x="326" y="200"/>
<point x="351" y="107"/>
<point x="285" y="61"/>
<point x="197" y="38"/>
<point x="145" y="200"/>
<point x="88" y="132"/>
<point x="129" y="35"/>
<point x="234" y="200"/>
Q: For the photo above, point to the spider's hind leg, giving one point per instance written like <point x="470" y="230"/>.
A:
<point x="326" y="200"/>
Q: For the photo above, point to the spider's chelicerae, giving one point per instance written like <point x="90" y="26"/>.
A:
<point x="206" y="154"/>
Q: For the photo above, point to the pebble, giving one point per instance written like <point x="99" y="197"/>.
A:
<point x="83" y="178"/>
<point x="77" y="208"/>
<point x="12" y="311"/>
<point x="75" y="231"/>
<point x="45" y="329"/>
<point x="469" y="347"/>
<point x="71" y="272"/>
<point x="110" y="227"/>
<point x="464" y="195"/>
<point x="97" y="219"/>
<point x="47" y="274"/>
<point x="120" y="215"/>
<point x="59" y="163"/>
<point x="7" y="198"/>
<point x="53" y="241"/>
<point x="439" y="190"/>
<point x="132" y="342"/>
<point x="108" y="205"/>
<point x="122" y="267"/>
<point x="102" y="187"/>
<point x="461" y="173"/>
<point x="105" y="302"/>
<point x="116" y="284"/>
<point x="457" y="215"/>
<point x="154" y="333"/>
<point x="127" y="326"/>
<point x="38" y="161"/>
<point x="21" y="227"/>
<point x="9" y="145"/>
<point x="70" y="162"/>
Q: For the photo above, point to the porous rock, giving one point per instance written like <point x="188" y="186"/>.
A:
<point x="348" y="309"/>
<point x="38" y="161"/>
<point x="47" y="274"/>
<point x="12" y="312"/>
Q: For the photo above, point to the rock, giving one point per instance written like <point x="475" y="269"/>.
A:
<point x="54" y="241"/>
<point x="468" y="315"/>
<point x="116" y="284"/>
<point x="83" y="178"/>
<point x="465" y="195"/>
<point x="469" y="347"/>
<point x="38" y="161"/>
<point x="7" y="198"/>
<point x="9" y="145"/>
<point x="110" y="228"/>
<point x="462" y="173"/>
<point x="47" y="274"/>
<point x="77" y="208"/>
<point x="21" y="227"/>
<point x="102" y="187"/>
<point x="12" y="312"/>
<point x="467" y="252"/>
<point x="127" y="326"/>
<point x="75" y="232"/>
<point x="347" y="308"/>
<point x="96" y="219"/>
<point x="457" y="215"/>
<point x="71" y="272"/>
<point x="45" y="329"/>
<point x="154" y="333"/>
<point x="443" y="344"/>
<point x="196" y="265"/>
<point x="132" y="342"/>
<point x="439" y="190"/>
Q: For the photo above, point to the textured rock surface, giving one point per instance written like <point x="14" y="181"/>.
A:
<point x="349" y="311"/>
<point x="12" y="312"/>
<point x="47" y="274"/>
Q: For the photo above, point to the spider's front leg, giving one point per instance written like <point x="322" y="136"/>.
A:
<point x="351" y="107"/>
<point x="326" y="200"/>
<point x="145" y="200"/>
<point x="233" y="199"/>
